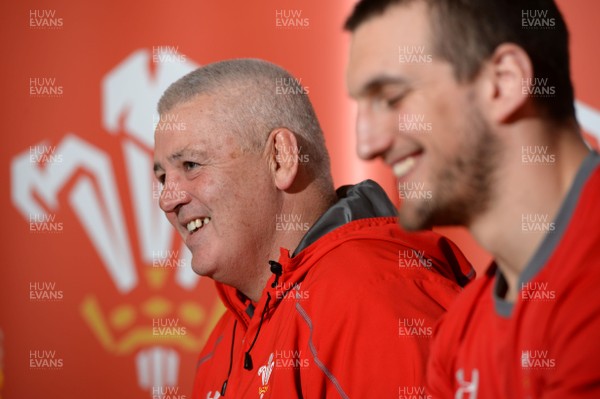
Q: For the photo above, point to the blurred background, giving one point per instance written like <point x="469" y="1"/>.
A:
<point x="97" y="298"/>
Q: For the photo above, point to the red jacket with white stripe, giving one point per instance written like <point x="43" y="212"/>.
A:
<point x="350" y="315"/>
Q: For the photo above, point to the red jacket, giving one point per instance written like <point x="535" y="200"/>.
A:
<point x="351" y="315"/>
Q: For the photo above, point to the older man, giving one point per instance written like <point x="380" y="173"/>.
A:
<point x="325" y="295"/>
<point x="473" y="99"/>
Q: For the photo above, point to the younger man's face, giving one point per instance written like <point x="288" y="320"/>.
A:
<point x="415" y="115"/>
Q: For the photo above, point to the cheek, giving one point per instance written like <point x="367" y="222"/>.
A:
<point x="232" y="195"/>
<point x="254" y="194"/>
<point x="448" y="125"/>
<point x="207" y="187"/>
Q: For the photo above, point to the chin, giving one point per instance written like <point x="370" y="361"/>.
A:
<point x="409" y="224"/>
<point x="202" y="269"/>
<point x="415" y="217"/>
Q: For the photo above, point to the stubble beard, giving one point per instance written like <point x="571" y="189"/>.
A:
<point x="463" y="186"/>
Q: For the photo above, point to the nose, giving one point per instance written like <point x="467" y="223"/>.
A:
<point x="373" y="137"/>
<point x="173" y="195"/>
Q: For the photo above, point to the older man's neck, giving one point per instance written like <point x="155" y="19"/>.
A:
<point x="298" y="213"/>
<point x="536" y="175"/>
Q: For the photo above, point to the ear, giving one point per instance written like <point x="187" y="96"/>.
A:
<point x="509" y="78"/>
<point x="283" y="156"/>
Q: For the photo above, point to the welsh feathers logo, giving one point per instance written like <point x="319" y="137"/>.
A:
<point x="265" y="375"/>
<point x="144" y="259"/>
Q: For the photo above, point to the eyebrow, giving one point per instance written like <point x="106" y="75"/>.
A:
<point x="186" y="152"/>
<point x="375" y="84"/>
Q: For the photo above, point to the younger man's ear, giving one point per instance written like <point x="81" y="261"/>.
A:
<point x="508" y="80"/>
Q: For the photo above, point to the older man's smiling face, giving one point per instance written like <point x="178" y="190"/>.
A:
<point x="218" y="197"/>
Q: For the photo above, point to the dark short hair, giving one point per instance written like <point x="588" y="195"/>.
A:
<point x="467" y="32"/>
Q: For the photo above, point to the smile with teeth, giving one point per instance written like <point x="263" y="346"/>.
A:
<point x="197" y="224"/>
<point x="403" y="167"/>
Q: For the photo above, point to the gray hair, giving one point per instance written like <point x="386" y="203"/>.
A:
<point x="255" y="97"/>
